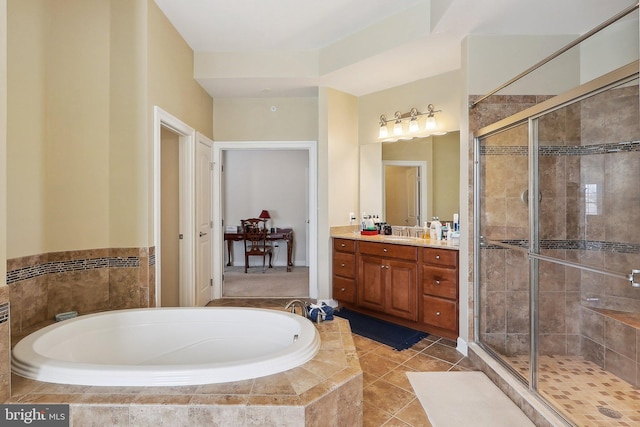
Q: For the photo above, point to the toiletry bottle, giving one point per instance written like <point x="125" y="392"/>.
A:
<point x="445" y="231"/>
<point x="435" y="230"/>
<point x="425" y="231"/>
<point x="456" y="222"/>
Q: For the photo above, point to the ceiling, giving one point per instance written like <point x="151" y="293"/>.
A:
<point x="257" y="48"/>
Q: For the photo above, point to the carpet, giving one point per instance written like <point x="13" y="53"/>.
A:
<point x="396" y="336"/>
<point x="454" y="399"/>
<point x="275" y="282"/>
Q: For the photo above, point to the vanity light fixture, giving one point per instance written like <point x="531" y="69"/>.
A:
<point x="414" y="130"/>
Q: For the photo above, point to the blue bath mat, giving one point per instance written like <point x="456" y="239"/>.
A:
<point x="396" y="336"/>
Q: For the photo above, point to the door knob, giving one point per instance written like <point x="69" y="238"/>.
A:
<point x="202" y="234"/>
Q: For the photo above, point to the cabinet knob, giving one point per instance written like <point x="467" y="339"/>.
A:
<point x="342" y="265"/>
<point x="437" y="313"/>
<point x="384" y="249"/>
<point x="437" y="282"/>
<point x="342" y="245"/>
<point x="437" y="256"/>
<point x="342" y="289"/>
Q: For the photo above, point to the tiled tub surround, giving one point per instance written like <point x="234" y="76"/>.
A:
<point x="324" y="391"/>
<point x="85" y="281"/>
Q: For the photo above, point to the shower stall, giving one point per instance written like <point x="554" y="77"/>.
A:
<point x="557" y="249"/>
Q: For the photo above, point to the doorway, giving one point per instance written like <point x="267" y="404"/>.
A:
<point x="170" y="218"/>
<point x="263" y="163"/>
<point x="182" y="251"/>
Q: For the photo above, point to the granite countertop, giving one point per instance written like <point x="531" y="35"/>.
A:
<point x="351" y="233"/>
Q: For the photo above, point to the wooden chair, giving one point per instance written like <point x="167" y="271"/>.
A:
<point x="254" y="233"/>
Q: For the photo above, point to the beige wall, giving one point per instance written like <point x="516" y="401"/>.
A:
<point x="446" y="175"/>
<point x="76" y="98"/>
<point x="343" y="167"/>
<point x="83" y="83"/>
<point x="130" y="124"/>
<point x="265" y="119"/>
<point x="3" y="145"/>
<point x="170" y="75"/>
<point x="26" y="170"/>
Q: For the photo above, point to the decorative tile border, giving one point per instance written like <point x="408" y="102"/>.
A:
<point x="562" y="150"/>
<point x="584" y="245"/>
<point x="4" y="312"/>
<point x="34" y="271"/>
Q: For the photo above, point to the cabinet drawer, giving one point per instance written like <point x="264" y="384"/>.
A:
<point x="444" y="257"/>
<point x="389" y="250"/>
<point x="438" y="281"/>
<point x="344" y="264"/>
<point x="344" y="289"/>
<point x="344" y="245"/>
<point x="440" y="312"/>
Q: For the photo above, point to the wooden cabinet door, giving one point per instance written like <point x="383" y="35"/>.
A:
<point x="371" y="283"/>
<point x="402" y="289"/>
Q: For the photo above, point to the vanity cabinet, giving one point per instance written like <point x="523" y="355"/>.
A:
<point x="344" y="270"/>
<point x="440" y="291"/>
<point x="411" y="285"/>
<point x="388" y="279"/>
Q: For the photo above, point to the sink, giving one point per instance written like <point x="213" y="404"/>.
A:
<point x="400" y="238"/>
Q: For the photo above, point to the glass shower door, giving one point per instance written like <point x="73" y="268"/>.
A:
<point x="588" y="237"/>
<point x="504" y="282"/>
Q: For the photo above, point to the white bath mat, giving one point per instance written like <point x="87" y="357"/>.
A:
<point x="456" y="399"/>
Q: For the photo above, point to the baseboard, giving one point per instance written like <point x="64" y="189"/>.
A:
<point x="462" y="347"/>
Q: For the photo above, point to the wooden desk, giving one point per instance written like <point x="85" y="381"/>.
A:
<point x="285" y="234"/>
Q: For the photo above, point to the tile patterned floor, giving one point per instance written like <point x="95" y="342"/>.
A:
<point x="389" y="399"/>
<point x="584" y="392"/>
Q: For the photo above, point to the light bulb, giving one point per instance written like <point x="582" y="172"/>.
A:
<point x="431" y="123"/>
<point x="413" y="125"/>
<point x="384" y="132"/>
<point x="397" y="128"/>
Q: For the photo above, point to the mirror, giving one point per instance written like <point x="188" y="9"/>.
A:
<point x="421" y="179"/>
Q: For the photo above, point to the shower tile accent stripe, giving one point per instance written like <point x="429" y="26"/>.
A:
<point x="562" y="150"/>
<point x="589" y="245"/>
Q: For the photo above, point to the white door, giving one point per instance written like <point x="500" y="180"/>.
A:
<point x="413" y="195"/>
<point x="203" y="187"/>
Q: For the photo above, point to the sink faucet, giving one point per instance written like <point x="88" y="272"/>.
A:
<point x="291" y="306"/>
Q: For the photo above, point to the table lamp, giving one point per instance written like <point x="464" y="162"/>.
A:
<point x="265" y="215"/>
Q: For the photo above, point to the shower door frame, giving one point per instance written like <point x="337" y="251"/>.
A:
<point x="617" y="77"/>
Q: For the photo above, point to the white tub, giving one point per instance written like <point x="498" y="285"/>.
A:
<point x="166" y="346"/>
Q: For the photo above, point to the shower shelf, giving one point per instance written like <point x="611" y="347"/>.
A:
<point x="628" y="318"/>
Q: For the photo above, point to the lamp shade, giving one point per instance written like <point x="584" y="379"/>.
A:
<point x="264" y="214"/>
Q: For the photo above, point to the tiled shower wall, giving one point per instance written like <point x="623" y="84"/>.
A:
<point x="85" y="281"/>
<point x="594" y="142"/>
